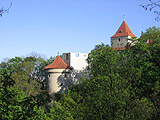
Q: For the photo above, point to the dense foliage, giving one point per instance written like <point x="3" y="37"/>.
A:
<point x="121" y="85"/>
<point x="27" y="72"/>
<point x="22" y="90"/>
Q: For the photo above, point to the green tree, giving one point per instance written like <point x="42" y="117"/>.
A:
<point x="152" y="33"/>
<point x="59" y="112"/>
<point x="15" y="104"/>
<point x="112" y="73"/>
<point x="108" y="93"/>
<point x="27" y="72"/>
<point x="145" y="58"/>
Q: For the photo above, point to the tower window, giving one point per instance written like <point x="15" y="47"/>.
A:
<point x="65" y="75"/>
<point x="120" y="31"/>
<point x="77" y="55"/>
<point x="67" y="57"/>
<point x="119" y="39"/>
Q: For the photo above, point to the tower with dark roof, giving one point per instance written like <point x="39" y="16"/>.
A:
<point x="122" y="36"/>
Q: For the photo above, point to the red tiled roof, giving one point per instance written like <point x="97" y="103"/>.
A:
<point x="124" y="30"/>
<point x="119" y="48"/>
<point x="58" y="63"/>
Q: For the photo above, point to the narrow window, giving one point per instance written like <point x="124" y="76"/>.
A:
<point x="65" y="75"/>
<point x="119" y="39"/>
<point x="67" y="56"/>
<point x="48" y="75"/>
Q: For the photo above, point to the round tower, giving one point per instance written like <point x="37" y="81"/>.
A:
<point x="57" y="76"/>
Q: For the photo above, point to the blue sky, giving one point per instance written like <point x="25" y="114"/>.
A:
<point x="51" y="26"/>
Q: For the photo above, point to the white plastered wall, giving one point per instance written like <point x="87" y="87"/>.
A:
<point x="57" y="80"/>
<point x="76" y="60"/>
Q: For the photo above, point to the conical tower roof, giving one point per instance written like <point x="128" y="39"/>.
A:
<point x="124" y="30"/>
<point x="58" y="63"/>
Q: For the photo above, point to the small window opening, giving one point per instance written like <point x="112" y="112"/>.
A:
<point x="65" y="75"/>
<point x="48" y="75"/>
<point x="119" y="39"/>
<point x="120" y="31"/>
<point x="77" y="55"/>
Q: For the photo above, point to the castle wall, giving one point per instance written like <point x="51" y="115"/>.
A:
<point x="57" y="80"/>
<point x="119" y="41"/>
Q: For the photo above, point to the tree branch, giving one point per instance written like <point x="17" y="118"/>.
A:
<point x="2" y="10"/>
<point x="153" y="5"/>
